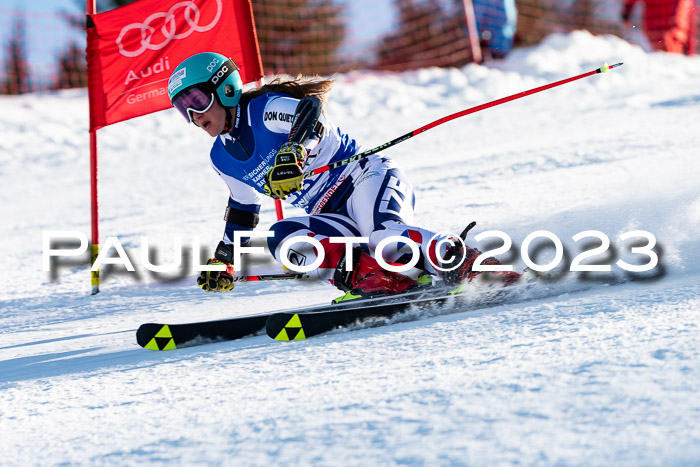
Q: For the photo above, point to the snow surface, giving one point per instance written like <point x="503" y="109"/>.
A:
<point x="603" y="371"/>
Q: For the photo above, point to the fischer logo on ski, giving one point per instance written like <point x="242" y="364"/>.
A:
<point x="292" y="331"/>
<point x="163" y="340"/>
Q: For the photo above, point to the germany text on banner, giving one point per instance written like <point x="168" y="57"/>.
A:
<point x="133" y="49"/>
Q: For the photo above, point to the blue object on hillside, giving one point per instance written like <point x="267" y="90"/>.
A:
<point x="496" y="21"/>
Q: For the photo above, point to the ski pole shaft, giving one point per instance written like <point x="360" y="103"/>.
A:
<point x="604" y="69"/>
<point x="270" y="277"/>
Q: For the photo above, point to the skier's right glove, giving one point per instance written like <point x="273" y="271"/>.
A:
<point x="218" y="281"/>
<point x="286" y="176"/>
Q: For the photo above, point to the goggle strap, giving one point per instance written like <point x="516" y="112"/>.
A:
<point x="223" y="72"/>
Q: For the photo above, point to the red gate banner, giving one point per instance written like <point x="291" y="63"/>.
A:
<point x="132" y="51"/>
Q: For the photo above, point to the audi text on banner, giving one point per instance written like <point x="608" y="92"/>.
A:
<point x="132" y="51"/>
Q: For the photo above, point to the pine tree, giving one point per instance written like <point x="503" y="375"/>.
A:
<point x="72" y="65"/>
<point x="16" y="67"/>
<point x="72" y="68"/>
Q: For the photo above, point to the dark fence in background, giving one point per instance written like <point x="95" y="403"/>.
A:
<point x="46" y="51"/>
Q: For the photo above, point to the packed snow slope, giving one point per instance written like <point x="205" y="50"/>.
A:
<point x="603" y="371"/>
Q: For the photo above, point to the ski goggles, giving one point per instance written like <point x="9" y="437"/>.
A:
<point x="194" y="99"/>
<point x="200" y="98"/>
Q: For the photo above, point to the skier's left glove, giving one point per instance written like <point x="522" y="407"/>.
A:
<point x="286" y="176"/>
<point x="218" y="281"/>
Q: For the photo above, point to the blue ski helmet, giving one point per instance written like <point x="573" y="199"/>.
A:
<point x="210" y="71"/>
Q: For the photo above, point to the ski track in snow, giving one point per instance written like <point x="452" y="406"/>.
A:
<point x="577" y="372"/>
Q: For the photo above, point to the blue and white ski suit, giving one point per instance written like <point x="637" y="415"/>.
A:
<point x="368" y="198"/>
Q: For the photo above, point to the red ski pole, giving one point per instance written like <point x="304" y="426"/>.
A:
<point x="604" y="69"/>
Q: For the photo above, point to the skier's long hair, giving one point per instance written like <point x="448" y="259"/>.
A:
<point x="298" y="87"/>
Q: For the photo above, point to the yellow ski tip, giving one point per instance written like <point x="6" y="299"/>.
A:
<point x="164" y="332"/>
<point x="292" y="330"/>
<point x="162" y="340"/>
<point x="282" y="336"/>
<point x="152" y="345"/>
<point x="295" y="322"/>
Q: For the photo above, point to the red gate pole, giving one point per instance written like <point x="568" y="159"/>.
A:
<point x="692" y="31"/>
<point x="94" y="214"/>
<point x="90" y="9"/>
<point x="472" y="31"/>
<point x="279" y="209"/>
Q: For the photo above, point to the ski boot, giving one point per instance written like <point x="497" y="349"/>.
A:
<point x="367" y="278"/>
<point x="463" y="272"/>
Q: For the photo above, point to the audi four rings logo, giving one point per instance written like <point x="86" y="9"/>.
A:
<point x="190" y="12"/>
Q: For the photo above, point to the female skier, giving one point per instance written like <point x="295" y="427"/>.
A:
<point x="265" y="140"/>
